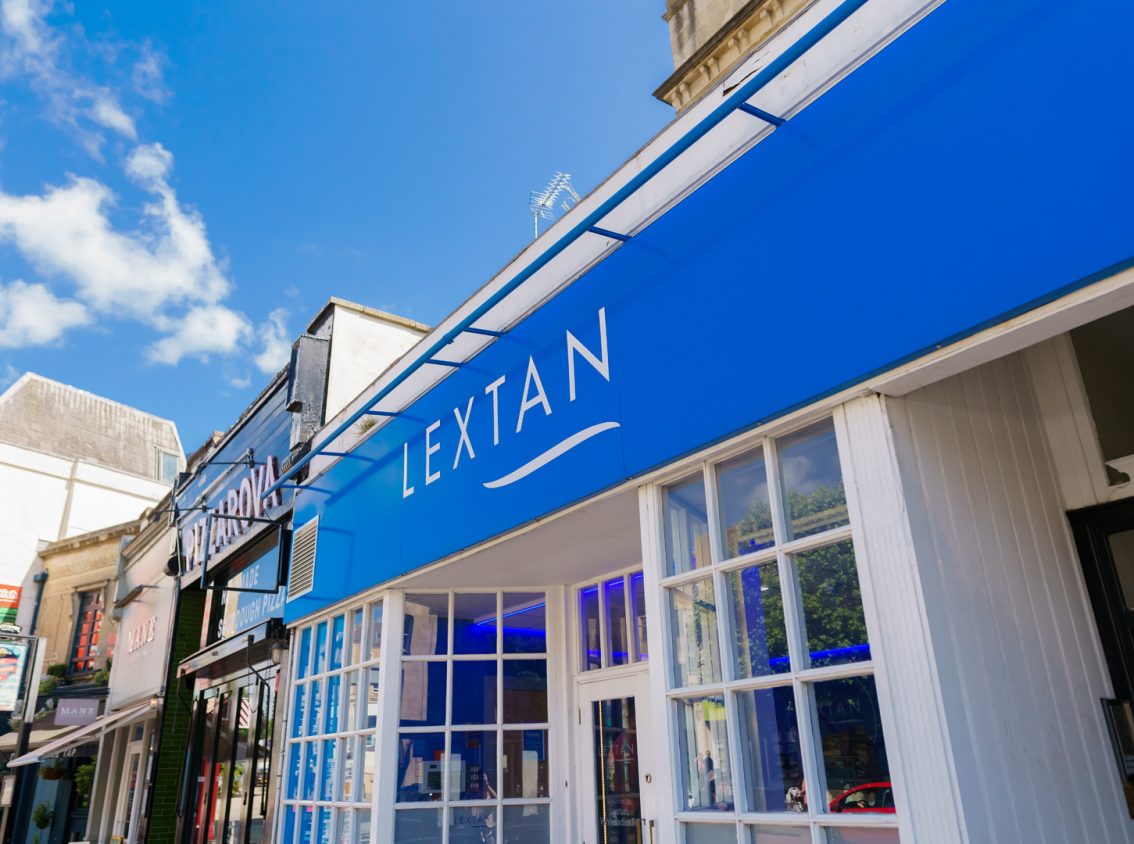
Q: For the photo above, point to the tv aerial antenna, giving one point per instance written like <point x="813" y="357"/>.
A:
<point x="542" y="202"/>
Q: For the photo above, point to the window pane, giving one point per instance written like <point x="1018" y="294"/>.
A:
<point x="294" y="768"/>
<point x="638" y="607"/>
<point x="589" y="624"/>
<point x="474" y="623"/>
<point x="769" y="747"/>
<point x="333" y="684"/>
<point x="366" y="782"/>
<point x="472" y="766"/>
<point x="349" y="755"/>
<point x="614" y="591"/>
<point x="419" y="767"/>
<point x="854" y="749"/>
<point x="309" y="770"/>
<point x="304" y="660"/>
<point x="337" y="634"/>
<point x="525" y="691"/>
<point x="832" y="605"/>
<point x="525" y="763"/>
<point x="323" y="826"/>
<point x="474" y="692"/>
<point x="356" y="636"/>
<point x="525" y="623"/>
<point x="351" y="716"/>
<point x="288" y="835"/>
<point x="526" y="825"/>
<point x="706" y="774"/>
<point x="414" y="826"/>
<point x="779" y="835"/>
<point x="315" y="714"/>
<point x="709" y="833"/>
<point x="426" y="625"/>
<point x="320" y="648"/>
<point x="756" y="612"/>
<point x="375" y="630"/>
<point x="813" y="482"/>
<point x="345" y="827"/>
<point x="693" y="617"/>
<point x="423" y="694"/>
<point x="853" y="835"/>
<point x="686" y="526"/>
<point x="746" y="515"/>
<point x="371" y="697"/>
<point x="306" y="816"/>
<point x="362" y="824"/>
<point x="297" y="720"/>
<point x="472" y="825"/>
<point x="327" y="780"/>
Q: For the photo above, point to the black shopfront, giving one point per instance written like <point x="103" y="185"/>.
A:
<point x="233" y="544"/>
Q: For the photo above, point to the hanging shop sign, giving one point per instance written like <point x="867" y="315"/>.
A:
<point x="9" y="603"/>
<point x="12" y="656"/>
<point x="224" y="503"/>
<point x="76" y="711"/>
<point x="920" y="199"/>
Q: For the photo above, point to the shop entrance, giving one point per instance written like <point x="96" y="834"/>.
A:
<point x="617" y="750"/>
<point x="1105" y="539"/>
<point x="234" y="723"/>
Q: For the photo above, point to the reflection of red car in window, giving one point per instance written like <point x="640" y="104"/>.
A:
<point x="872" y="797"/>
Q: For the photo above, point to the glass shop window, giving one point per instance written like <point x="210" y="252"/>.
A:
<point x="611" y="617"/>
<point x="769" y="664"/>
<point x="88" y="628"/>
<point x="473" y="752"/>
<point x="331" y="760"/>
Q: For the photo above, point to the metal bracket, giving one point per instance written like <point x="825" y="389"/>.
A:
<point x="609" y="233"/>
<point x="766" y="116"/>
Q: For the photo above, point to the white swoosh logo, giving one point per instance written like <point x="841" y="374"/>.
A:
<point x="557" y="450"/>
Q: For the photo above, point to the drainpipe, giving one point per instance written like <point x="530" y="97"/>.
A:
<point x="38" y="580"/>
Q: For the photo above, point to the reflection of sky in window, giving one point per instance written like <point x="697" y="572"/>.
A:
<point x="743" y="485"/>
<point x="809" y="459"/>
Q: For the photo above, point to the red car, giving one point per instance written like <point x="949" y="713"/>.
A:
<point x="872" y="797"/>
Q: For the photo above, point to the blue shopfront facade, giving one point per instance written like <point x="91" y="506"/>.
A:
<point x="937" y="190"/>
<point x="964" y="178"/>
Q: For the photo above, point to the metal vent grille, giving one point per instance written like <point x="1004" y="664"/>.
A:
<point x="303" y="559"/>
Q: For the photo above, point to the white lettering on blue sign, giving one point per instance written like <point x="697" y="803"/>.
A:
<point x="533" y="396"/>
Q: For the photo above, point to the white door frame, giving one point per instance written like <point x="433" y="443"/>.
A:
<point x="588" y="689"/>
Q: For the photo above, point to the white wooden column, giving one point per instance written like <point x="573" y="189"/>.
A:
<point x="917" y="740"/>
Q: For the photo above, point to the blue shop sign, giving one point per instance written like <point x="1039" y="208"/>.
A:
<point x="219" y="507"/>
<point x="931" y="193"/>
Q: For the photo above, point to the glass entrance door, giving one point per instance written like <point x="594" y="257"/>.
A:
<point x="616" y="761"/>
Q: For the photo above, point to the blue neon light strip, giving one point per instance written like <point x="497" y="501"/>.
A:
<point x="709" y="122"/>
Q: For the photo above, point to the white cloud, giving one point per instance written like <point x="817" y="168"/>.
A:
<point x="32" y="49"/>
<point x="11" y="374"/>
<point x="201" y="332"/>
<point x="275" y="343"/>
<point x="106" y="111"/>
<point x="31" y="315"/>
<point x="160" y="268"/>
<point x="166" y="262"/>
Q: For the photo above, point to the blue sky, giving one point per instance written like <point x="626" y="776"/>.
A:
<point x="183" y="185"/>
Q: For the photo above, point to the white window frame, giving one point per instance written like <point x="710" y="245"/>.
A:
<point x="355" y="734"/>
<point x="652" y="513"/>
<point x="578" y="653"/>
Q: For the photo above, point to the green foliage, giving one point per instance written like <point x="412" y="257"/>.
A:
<point x="48" y="684"/>
<point x="84" y="779"/>
<point x="101" y="677"/>
<point x="42" y="816"/>
<point x="828" y="582"/>
<point x="58" y="669"/>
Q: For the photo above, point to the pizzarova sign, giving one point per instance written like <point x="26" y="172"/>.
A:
<point x="232" y="518"/>
<point x="838" y="247"/>
<point x="219" y="506"/>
